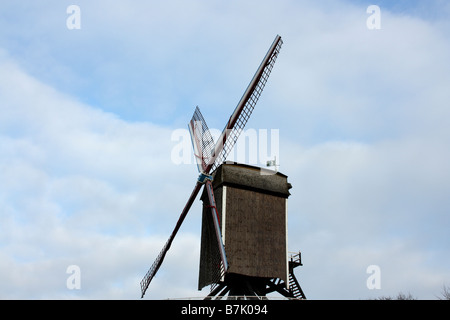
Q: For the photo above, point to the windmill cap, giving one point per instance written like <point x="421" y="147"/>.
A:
<point x="252" y="178"/>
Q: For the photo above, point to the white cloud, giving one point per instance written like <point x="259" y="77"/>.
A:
<point x="354" y="205"/>
<point x="363" y="127"/>
<point x="79" y="186"/>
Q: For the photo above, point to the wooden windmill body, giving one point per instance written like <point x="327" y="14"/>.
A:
<point x="252" y="206"/>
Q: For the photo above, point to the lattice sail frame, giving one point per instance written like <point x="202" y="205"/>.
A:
<point x="154" y="268"/>
<point x="254" y="89"/>
<point x="203" y="142"/>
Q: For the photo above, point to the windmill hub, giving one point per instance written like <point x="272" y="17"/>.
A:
<point x="203" y="177"/>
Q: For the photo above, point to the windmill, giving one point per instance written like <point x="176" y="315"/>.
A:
<point x="209" y="156"/>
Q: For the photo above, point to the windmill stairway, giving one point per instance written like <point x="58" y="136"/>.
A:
<point x="241" y="287"/>
<point x="294" y="286"/>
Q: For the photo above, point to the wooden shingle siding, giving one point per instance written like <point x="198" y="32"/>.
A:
<point x="255" y="234"/>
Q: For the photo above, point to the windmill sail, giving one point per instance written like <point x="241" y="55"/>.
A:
<point x="211" y="157"/>
<point x="245" y="107"/>
<point x="145" y="282"/>
<point x="202" y="140"/>
<point x="215" y="217"/>
<point x="203" y="145"/>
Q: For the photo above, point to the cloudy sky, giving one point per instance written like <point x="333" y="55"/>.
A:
<point x="90" y="118"/>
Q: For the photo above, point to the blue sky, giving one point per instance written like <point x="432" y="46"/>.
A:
<point x="87" y="120"/>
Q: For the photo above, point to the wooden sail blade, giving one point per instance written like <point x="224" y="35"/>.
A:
<point x="202" y="140"/>
<point x="155" y="266"/>
<point x="243" y="110"/>
<point x="216" y="220"/>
